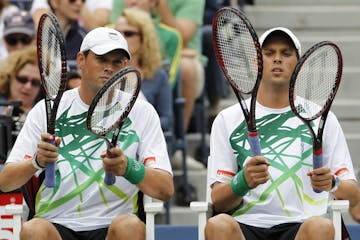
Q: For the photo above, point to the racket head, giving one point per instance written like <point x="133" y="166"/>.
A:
<point x="237" y="50"/>
<point x="51" y="56"/>
<point x="113" y="102"/>
<point x="315" y="80"/>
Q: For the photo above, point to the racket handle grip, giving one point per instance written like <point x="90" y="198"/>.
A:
<point x="50" y="172"/>
<point x="109" y="178"/>
<point x="317" y="163"/>
<point x="317" y="160"/>
<point x="254" y="142"/>
<point x="50" y="175"/>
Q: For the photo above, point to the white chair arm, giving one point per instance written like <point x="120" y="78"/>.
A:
<point x="151" y="209"/>
<point x="337" y="207"/>
<point x="204" y="209"/>
<point x="16" y="210"/>
<point x="200" y="206"/>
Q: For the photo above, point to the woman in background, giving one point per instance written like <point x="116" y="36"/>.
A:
<point x="19" y="81"/>
<point x="137" y="27"/>
<point x="20" y="78"/>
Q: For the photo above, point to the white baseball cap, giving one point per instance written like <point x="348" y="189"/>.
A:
<point x="102" y="40"/>
<point x="292" y="36"/>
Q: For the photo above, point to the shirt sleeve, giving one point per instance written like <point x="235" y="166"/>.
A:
<point x="222" y="161"/>
<point x="153" y="149"/>
<point x="335" y="149"/>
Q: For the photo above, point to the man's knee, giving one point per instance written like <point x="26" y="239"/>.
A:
<point x="320" y="223"/>
<point x="122" y="224"/>
<point x="321" y="227"/>
<point x="223" y="226"/>
<point x="40" y="228"/>
<point x="221" y="222"/>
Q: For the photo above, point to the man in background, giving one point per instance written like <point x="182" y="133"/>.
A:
<point x="19" y="31"/>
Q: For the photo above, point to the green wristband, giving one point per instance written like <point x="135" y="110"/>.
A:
<point x="238" y="184"/>
<point x="135" y="171"/>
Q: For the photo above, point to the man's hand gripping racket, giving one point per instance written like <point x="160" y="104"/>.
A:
<point x="111" y="106"/>
<point x="313" y="86"/>
<point x="239" y="55"/>
<point x="53" y="68"/>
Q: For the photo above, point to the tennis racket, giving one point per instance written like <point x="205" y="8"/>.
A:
<point x="111" y="106"/>
<point x="53" y="68"/>
<point x="313" y="86"/>
<point x="238" y="53"/>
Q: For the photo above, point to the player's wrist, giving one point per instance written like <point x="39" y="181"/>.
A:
<point x="335" y="183"/>
<point x="135" y="171"/>
<point x="36" y="163"/>
<point x="239" y="185"/>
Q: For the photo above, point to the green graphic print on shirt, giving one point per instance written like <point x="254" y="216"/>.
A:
<point x="77" y="153"/>
<point x="279" y="134"/>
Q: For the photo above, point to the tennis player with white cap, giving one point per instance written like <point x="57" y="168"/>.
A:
<point x="81" y="206"/>
<point x="271" y="196"/>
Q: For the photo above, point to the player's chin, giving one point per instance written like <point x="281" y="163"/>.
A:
<point x="281" y="82"/>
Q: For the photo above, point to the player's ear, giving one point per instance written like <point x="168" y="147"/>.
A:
<point x="80" y="58"/>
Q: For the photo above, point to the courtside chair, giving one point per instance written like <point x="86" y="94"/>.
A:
<point x="205" y="210"/>
<point x="11" y="216"/>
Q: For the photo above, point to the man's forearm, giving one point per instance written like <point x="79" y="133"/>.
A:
<point x="14" y="175"/>
<point x="165" y="13"/>
<point x="349" y="190"/>
<point x="186" y="27"/>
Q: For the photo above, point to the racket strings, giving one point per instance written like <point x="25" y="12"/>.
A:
<point x="51" y="58"/>
<point x="113" y="104"/>
<point x="316" y="80"/>
<point x="236" y="46"/>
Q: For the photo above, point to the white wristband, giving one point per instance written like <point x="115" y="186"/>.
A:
<point x="336" y="184"/>
<point x="35" y="163"/>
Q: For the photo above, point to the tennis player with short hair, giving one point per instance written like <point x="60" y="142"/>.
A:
<point x="81" y="206"/>
<point x="271" y="196"/>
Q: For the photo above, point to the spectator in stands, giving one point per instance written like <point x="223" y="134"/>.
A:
<point x="170" y="39"/>
<point x="81" y="205"/>
<point x="94" y="13"/>
<point x="20" y="77"/>
<point x="68" y="13"/>
<point x="186" y="16"/>
<point x="19" y="31"/>
<point x="138" y="29"/>
<point x="5" y="9"/>
<point x="271" y="196"/>
<point x="19" y="81"/>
